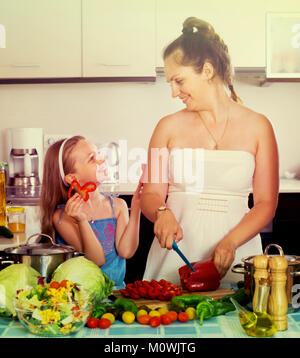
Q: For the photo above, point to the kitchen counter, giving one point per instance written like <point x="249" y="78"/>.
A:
<point x="226" y="326"/>
<point x="18" y="239"/>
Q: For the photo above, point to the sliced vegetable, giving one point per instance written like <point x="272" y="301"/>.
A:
<point x="83" y="191"/>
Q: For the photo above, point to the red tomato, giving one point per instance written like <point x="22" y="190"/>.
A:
<point x="154" y="321"/>
<point x="173" y="315"/>
<point x="63" y="283"/>
<point x="55" y="284"/>
<point x="92" y="322"/>
<point x="183" y="317"/>
<point x="165" y="319"/>
<point x="104" y="323"/>
<point x="144" y="319"/>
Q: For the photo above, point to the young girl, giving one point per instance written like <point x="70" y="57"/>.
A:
<point x="99" y="227"/>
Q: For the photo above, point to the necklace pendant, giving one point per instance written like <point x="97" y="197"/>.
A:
<point x="92" y="221"/>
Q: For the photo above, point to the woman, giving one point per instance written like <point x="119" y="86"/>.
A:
<point x="232" y="148"/>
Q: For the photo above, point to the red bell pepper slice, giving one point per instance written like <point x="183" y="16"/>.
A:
<point x="82" y="190"/>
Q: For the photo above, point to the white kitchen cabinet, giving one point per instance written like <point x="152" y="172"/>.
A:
<point x="43" y="38"/>
<point x="241" y="24"/>
<point x="118" y="38"/>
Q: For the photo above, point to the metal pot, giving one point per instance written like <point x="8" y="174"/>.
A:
<point x="44" y="257"/>
<point x="247" y="268"/>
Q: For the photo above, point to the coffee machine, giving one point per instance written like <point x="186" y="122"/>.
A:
<point x="24" y="151"/>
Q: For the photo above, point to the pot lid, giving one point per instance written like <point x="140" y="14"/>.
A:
<point x="41" y="249"/>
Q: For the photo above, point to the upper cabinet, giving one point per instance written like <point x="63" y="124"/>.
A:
<point x="241" y="24"/>
<point x="43" y="38"/>
<point x="118" y="38"/>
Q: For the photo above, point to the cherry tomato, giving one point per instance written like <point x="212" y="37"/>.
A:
<point x="55" y="284"/>
<point x="173" y="315"/>
<point x="63" y="283"/>
<point x="92" y="322"/>
<point x="165" y="319"/>
<point x="183" y="317"/>
<point x="154" y="321"/>
<point x="144" y="319"/>
<point x="104" y="323"/>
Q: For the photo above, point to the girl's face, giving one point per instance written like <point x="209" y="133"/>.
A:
<point x="86" y="162"/>
<point x="188" y="85"/>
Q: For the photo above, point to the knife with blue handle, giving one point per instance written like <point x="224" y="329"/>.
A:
<point x="176" y="248"/>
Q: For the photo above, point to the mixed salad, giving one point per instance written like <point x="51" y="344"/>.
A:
<point x="51" y="309"/>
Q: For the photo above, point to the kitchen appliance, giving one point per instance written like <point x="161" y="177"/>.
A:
<point x="111" y="152"/>
<point x="24" y="150"/>
<point x="44" y="256"/>
<point x="293" y="273"/>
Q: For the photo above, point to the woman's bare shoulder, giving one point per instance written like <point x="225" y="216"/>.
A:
<point x="252" y="119"/>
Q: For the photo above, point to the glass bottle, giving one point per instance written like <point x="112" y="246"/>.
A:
<point x="2" y="195"/>
<point x="257" y="323"/>
<point x="16" y="219"/>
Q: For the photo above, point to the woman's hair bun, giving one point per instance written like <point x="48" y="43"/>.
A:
<point x="193" y="22"/>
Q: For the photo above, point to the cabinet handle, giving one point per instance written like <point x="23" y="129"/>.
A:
<point x="26" y="65"/>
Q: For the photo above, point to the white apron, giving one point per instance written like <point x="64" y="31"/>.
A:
<point x="208" y="194"/>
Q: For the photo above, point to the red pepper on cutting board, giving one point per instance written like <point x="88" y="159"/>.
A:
<point x="82" y="190"/>
<point x="206" y="277"/>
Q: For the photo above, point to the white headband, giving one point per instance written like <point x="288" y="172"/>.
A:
<point x="60" y="162"/>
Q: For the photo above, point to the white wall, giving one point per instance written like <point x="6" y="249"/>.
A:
<point x="113" y="111"/>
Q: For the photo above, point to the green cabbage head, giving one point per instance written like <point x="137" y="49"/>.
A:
<point x="87" y="274"/>
<point x="13" y="278"/>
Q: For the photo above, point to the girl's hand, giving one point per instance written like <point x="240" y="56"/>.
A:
<point x="74" y="208"/>
<point x="136" y="199"/>
<point x="167" y="229"/>
<point x="223" y="256"/>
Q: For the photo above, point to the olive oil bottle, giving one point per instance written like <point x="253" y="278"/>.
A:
<point x="258" y="323"/>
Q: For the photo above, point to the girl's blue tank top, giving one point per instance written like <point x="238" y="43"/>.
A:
<point x="105" y="231"/>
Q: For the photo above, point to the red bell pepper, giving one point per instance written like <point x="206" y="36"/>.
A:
<point x="205" y="278"/>
<point x="82" y="190"/>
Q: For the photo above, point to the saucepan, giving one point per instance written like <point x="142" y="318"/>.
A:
<point x="44" y="257"/>
<point x="293" y="272"/>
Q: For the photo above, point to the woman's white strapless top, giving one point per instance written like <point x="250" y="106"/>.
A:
<point x="208" y="194"/>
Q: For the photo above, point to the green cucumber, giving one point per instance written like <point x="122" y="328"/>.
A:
<point x="4" y="231"/>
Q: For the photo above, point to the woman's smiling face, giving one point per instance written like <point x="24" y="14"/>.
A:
<point x="188" y="85"/>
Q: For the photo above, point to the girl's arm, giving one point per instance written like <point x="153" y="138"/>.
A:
<point x="265" y="195"/>
<point x="75" y="229"/>
<point x="128" y="228"/>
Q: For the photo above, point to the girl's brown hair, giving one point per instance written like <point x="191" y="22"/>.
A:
<point x="200" y="46"/>
<point x="54" y="191"/>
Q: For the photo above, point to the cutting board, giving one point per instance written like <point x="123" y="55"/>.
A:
<point x="217" y="294"/>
